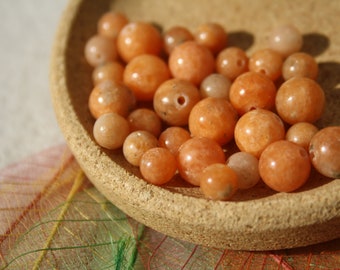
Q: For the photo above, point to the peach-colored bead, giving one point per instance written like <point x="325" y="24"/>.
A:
<point x="212" y="35"/>
<point x="109" y="96"/>
<point x="215" y="85"/>
<point x="138" y="38"/>
<point x="173" y="137"/>
<point x="136" y="144"/>
<point x="232" y="62"/>
<point x="175" y="36"/>
<point x="300" y="99"/>
<point x="109" y="71"/>
<point x="174" y="100"/>
<point x="213" y="118"/>
<point x="256" y="129"/>
<point x="144" y="74"/>
<point x="99" y="50"/>
<point x="252" y="90"/>
<point x="301" y="133"/>
<point x="145" y="119"/>
<point x="192" y="62"/>
<point x="268" y="62"/>
<point x="110" y="130"/>
<point x="110" y="23"/>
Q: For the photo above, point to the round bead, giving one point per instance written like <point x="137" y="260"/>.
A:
<point x="215" y="85"/>
<point x="144" y="74"/>
<point x="218" y="182"/>
<point x="175" y="36"/>
<point x="138" y="38"/>
<point x="136" y="144"/>
<point x="232" y="62"/>
<point x="300" y="99"/>
<point x="145" y="119"/>
<point x="300" y="64"/>
<point x="109" y="71"/>
<point x="246" y="167"/>
<point x="256" y="129"/>
<point x="173" y="137"/>
<point x="109" y="96"/>
<point x="196" y="154"/>
<point x="192" y="62"/>
<point x="284" y="166"/>
<point x="301" y="133"/>
<point x="99" y="50"/>
<point x="110" y="24"/>
<point x="252" y="90"/>
<point x="324" y="151"/>
<point x="174" y="100"/>
<point x="285" y="39"/>
<point x="158" y="165"/>
<point x="267" y="62"/>
<point x="211" y="35"/>
<point x="110" y="130"/>
<point x="213" y="118"/>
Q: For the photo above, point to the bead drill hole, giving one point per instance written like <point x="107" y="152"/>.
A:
<point x="181" y="100"/>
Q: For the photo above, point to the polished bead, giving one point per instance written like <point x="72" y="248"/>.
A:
<point x="175" y="36"/>
<point x="173" y="137"/>
<point x="301" y="133"/>
<point x="145" y="119"/>
<point x="110" y="24"/>
<point x="109" y="71"/>
<point x="215" y="85"/>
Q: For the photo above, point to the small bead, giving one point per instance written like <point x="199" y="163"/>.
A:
<point x="174" y="100"/>
<point x="158" y="165"/>
<point x="110" y="24"/>
<point x="300" y="99"/>
<point x="144" y="74"/>
<point x="109" y="71"/>
<point x="175" y="36"/>
<point x="109" y="96"/>
<point x="232" y="62"/>
<point x="211" y="35"/>
<point x="99" y="50"/>
<point x="246" y="167"/>
<point x="324" y="151"/>
<point x="110" y="130"/>
<point x="285" y="39"/>
<point x="196" y="154"/>
<point x="252" y="90"/>
<point x="256" y="129"/>
<point x="213" y="118"/>
<point x="138" y="38"/>
<point x="284" y="166"/>
<point x="192" y="62"/>
<point x="145" y="119"/>
<point x="136" y="144"/>
<point x="300" y="64"/>
<point x="215" y="85"/>
<point x="173" y="137"/>
<point x="301" y="133"/>
<point x="218" y="182"/>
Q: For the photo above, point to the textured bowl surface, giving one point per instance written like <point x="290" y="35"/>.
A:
<point x="257" y="219"/>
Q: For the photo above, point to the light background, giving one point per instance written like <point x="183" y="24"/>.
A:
<point x="28" y="123"/>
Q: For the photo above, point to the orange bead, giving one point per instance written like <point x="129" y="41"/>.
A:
<point x="196" y="154"/>
<point x="138" y="38"/>
<point x="267" y="62"/>
<point x="218" y="182"/>
<point x="300" y="99"/>
<point x="232" y="62"/>
<point x="109" y="96"/>
<point x="213" y="118"/>
<point x="145" y="119"/>
<point x="212" y="35"/>
<point x="301" y="133"/>
<point x="110" y="24"/>
<point x="158" y="165"/>
<point x="174" y="100"/>
<point x="192" y="62"/>
<point x="215" y="85"/>
<point x="144" y="74"/>
<point x="256" y="129"/>
<point x="252" y="90"/>
<point x="109" y="71"/>
<point x="173" y="137"/>
<point x="284" y="166"/>
<point x="175" y="36"/>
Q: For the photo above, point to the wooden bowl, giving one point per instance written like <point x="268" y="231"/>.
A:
<point x="257" y="219"/>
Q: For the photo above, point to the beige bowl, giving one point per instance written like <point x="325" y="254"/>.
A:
<point x="258" y="219"/>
